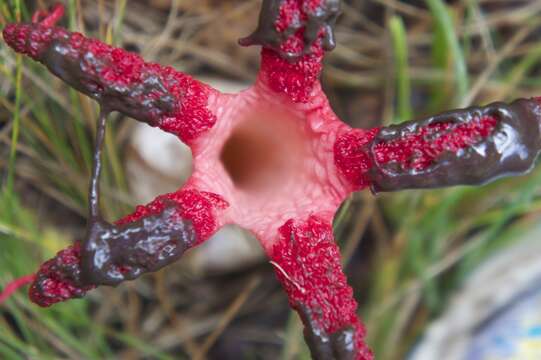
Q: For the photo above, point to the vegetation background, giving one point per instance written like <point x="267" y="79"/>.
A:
<point x="405" y="253"/>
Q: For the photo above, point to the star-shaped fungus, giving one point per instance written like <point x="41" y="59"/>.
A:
<point x="273" y="159"/>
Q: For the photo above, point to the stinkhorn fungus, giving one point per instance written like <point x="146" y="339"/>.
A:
<point x="273" y="159"/>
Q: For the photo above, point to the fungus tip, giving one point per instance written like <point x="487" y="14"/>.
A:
<point x="15" y="285"/>
<point x="50" y="17"/>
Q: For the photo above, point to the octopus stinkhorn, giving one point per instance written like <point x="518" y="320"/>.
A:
<point x="273" y="159"/>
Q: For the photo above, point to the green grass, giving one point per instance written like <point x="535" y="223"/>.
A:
<point x="403" y="82"/>
<point x="446" y="47"/>
<point x="416" y="273"/>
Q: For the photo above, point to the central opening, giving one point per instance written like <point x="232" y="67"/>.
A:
<point x="265" y="150"/>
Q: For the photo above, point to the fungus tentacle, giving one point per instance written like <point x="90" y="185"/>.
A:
<point x="153" y="236"/>
<point x="307" y="263"/>
<point x="49" y="17"/>
<point x="283" y="22"/>
<point x="294" y="35"/>
<point x="120" y="80"/>
<point x="470" y="146"/>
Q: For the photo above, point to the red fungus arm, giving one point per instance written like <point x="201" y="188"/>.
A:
<point x="471" y="146"/>
<point x="156" y="234"/>
<point x="294" y="35"/>
<point x="49" y="17"/>
<point x="307" y="263"/>
<point x="150" y="238"/>
<point x="118" y="79"/>
<point x="14" y="285"/>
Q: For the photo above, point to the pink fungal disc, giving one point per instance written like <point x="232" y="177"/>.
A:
<point x="271" y="159"/>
